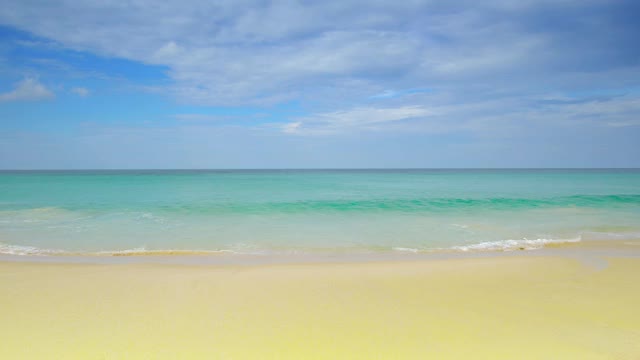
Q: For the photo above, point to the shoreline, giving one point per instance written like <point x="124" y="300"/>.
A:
<point x="589" y="251"/>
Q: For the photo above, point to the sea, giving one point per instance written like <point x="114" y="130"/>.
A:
<point x="111" y="212"/>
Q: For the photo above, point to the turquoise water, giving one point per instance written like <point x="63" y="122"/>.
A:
<point x="313" y="210"/>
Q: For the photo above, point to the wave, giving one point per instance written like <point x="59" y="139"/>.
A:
<point x="413" y="205"/>
<point x="510" y="245"/>
<point x="498" y="245"/>
<point x="501" y="245"/>
<point x="6" y="249"/>
<point x="335" y="205"/>
<point x="484" y="246"/>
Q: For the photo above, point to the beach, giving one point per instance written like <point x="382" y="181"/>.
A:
<point x="577" y="303"/>
<point x="320" y="180"/>
<point x="320" y="264"/>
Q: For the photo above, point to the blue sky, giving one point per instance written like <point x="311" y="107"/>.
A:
<point x="286" y="84"/>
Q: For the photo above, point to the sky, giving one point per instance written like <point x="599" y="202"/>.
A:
<point x="319" y="84"/>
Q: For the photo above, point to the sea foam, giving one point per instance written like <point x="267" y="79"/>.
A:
<point x="20" y="250"/>
<point x="509" y="245"/>
<point x="8" y="249"/>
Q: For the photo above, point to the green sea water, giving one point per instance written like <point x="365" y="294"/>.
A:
<point x="285" y="211"/>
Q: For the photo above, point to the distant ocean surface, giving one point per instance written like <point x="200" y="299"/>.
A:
<point x="294" y="211"/>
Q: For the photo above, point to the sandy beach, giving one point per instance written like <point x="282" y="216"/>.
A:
<point x="546" y="306"/>
<point x="268" y="179"/>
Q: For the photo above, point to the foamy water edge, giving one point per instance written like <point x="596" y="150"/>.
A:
<point x="500" y="245"/>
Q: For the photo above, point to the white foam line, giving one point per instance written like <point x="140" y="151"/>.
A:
<point x="26" y="250"/>
<point x="500" y="245"/>
<point x="20" y="250"/>
<point x="403" y="249"/>
<point x="508" y="245"/>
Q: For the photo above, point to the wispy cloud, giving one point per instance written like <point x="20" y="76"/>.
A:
<point x="29" y="89"/>
<point x="81" y="91"/>
<point x="349" y="83"/>
<point x="255" y="52"/>
<point x="201" y="118"/>
<point x="358" y="118"/>
<point x="501" y="118"/>
<point x="389" y="94"/>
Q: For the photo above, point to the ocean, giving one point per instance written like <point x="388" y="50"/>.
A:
<point x="307" y="211"/>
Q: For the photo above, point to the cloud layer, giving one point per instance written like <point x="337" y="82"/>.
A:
<point x="286" y="83"/>
<point x="248" y="52"/>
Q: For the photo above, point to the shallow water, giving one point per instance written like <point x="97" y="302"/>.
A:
<point x="286" y="211"/>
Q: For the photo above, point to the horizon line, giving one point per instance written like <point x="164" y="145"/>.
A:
<point x="325" y="169"/>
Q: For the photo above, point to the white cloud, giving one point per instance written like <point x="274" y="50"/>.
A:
<point x="168" y="52"/>
<point x="291" y="128"/>
<point x="358" y="119"/>
<point x="29" y="89"/>
<point x="205" y="118"/>
<point x="359" y="68"/>
<point x="249" y="51"/>
<point x="342" y="55"/>
<point x="81" y="91"/>
<point x="504" y="117"/>
<point x="621" y="111"/>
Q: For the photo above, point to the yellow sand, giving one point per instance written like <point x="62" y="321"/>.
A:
<point x="488" y="308"/>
